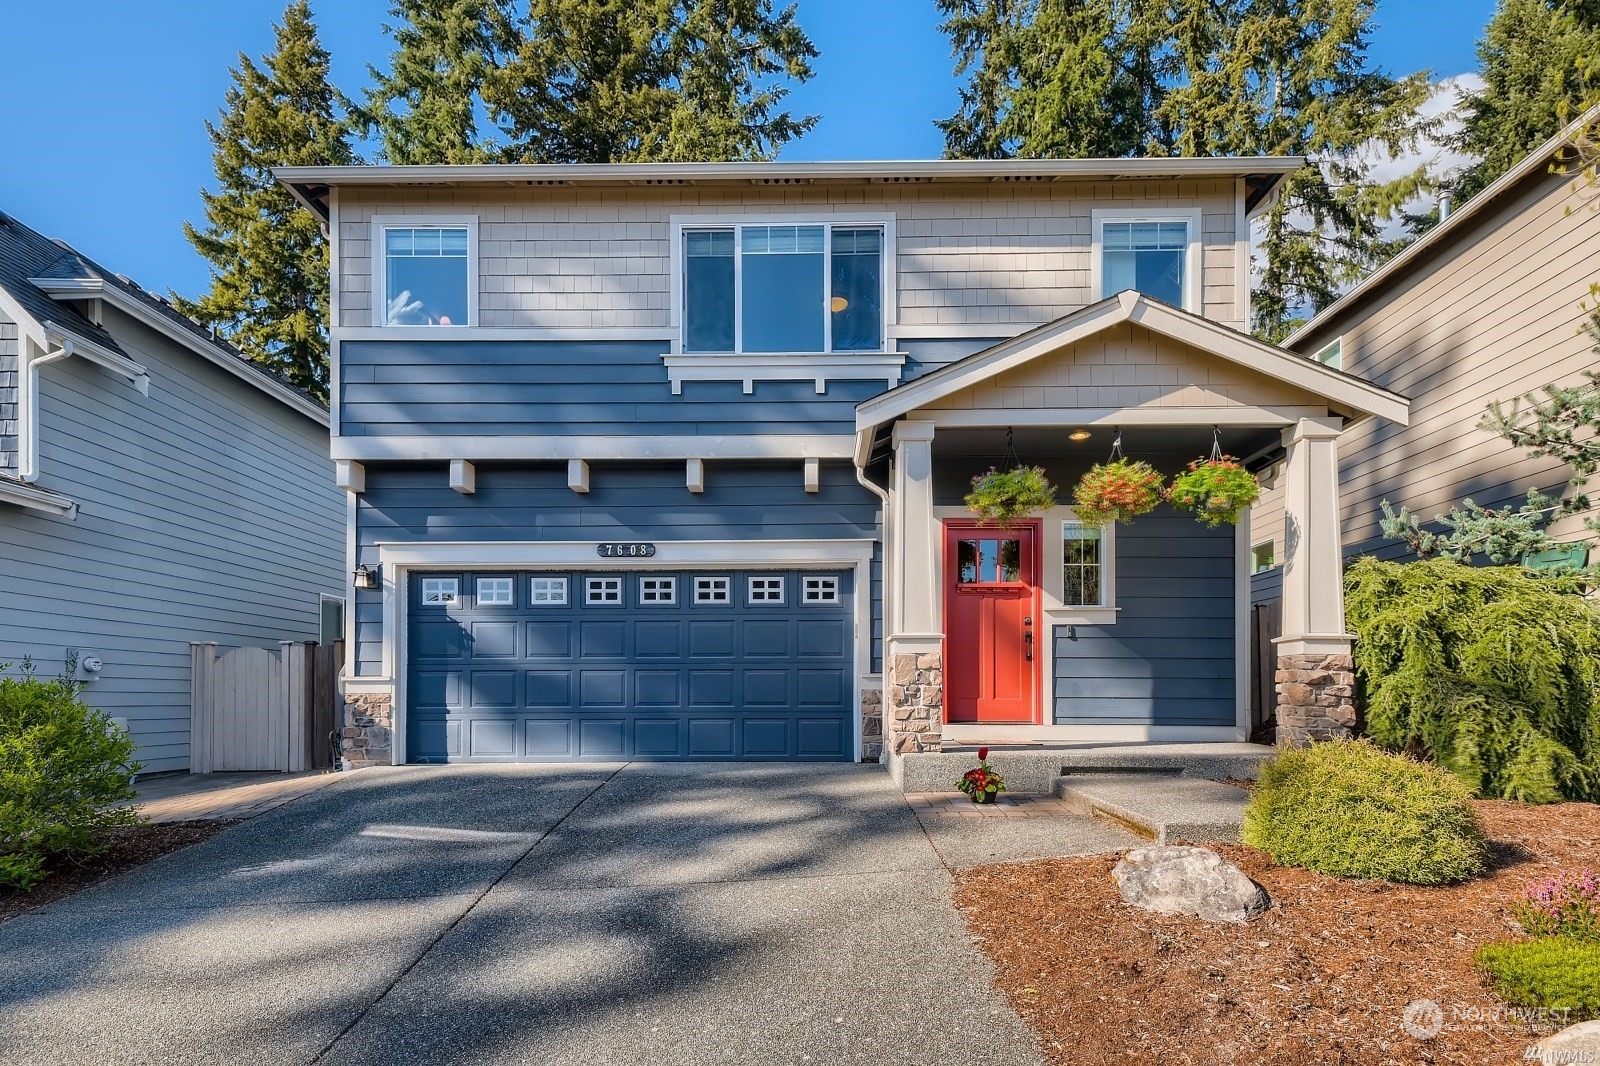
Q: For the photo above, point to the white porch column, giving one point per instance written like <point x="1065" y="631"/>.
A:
<point x="913" y="665"/>
<point x="1315" y="673"/>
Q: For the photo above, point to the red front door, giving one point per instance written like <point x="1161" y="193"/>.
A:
<point x="991" y="605"/>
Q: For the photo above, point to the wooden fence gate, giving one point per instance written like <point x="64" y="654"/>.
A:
<point x="254" y="709"/>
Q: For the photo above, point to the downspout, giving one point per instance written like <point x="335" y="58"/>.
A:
<point x="884" y="546"/>
<point x="28" y="409"/>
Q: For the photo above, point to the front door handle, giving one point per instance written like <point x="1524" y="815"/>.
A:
<point x="1027" y="640"/>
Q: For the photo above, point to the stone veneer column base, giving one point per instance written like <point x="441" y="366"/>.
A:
<point x="914" y="692"/>
<point x="1316" y="698"/>
<point x="871" y="724"/>
<point x="368" y="735"/>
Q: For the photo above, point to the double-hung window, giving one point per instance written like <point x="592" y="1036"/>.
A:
<point x="425" y="272"/>
<point x="800" y="288"/>
<point x="1083" y="565"/>
<point x="1156" y="255"/>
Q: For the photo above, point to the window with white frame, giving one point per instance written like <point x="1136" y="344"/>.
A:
<point x="766" y="590"/>
<point x="602" y="590"/>
<point x="1332" y="355"/>
<point x="441" y="591"/>
<point x="657" y="590"/>
<point x="547" y="591"/>
<point x="783" y="288"/>
<point x="1263" y="557"/>
<point x="819" y="590"/>
<point x="1083" y="565"/>
<point x="331" y="619"/>
<point x="712" y="590"/>
<point x="1151" y="255"/>
<point x="496" y="591"/>
<point x="427" y="271"/>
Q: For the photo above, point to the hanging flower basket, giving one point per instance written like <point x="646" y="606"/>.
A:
<point x="1218" y="490"/>
<point x="1003" y="496"/>
<point x="1118" y="491"/>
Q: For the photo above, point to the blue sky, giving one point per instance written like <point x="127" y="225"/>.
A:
<point x="105" y="99"/>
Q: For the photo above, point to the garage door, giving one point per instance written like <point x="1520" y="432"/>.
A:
<point x="645" y="664"/>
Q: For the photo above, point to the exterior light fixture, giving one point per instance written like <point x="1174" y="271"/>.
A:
<point x="364" y="578"/>
<point x="1079" y="434"/>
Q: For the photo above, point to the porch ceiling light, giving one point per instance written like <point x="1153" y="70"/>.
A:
<point x="1079" y="434"/>
<point x="837" y="304"/>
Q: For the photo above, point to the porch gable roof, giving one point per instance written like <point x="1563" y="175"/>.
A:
<point x="1353" y="397"/>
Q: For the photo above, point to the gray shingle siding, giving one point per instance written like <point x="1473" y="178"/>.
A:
<point x="411" y="503"/>
<point x="207" y="512"/>
<point x="10" y="356"/>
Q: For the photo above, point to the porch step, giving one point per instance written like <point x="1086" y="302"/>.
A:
<point x="1163" y="807"/>
<point x="1031" y="765"/>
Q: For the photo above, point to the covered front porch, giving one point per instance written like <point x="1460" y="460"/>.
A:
<point x="1056" y="632"/>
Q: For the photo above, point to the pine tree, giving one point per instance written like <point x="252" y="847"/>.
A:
<point x="598" y="81"/>
<point x="269" y="261"/>
<point x="1540" y="64"/>
<point x="427" y="107"/>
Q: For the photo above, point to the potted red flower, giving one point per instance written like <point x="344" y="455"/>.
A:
<point x="982" y="784"/>
<point x="1118" y="491"/>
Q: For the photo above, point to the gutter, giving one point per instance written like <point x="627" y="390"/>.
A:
<point x="66" y="345"/>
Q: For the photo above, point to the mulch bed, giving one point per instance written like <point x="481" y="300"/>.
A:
<point x="1321" y="978"/>
<point x="127" y="847"/>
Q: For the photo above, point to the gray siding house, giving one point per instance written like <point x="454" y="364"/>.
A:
<point x="156" y="488"/>
<point x="667" y="461"/>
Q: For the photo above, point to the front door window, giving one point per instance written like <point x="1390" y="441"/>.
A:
<point x="989" y="562"/>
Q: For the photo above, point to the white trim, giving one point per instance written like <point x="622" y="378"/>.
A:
<point x="508" y="584"/>
<point x="1062" y="417"/>
<point x="1110" y="733"/>
<point x="344" y="609"/>
<point x="1242" y="276"/>
<point x="397" y="560"/>
<point x="1193" y="282"/>
<point x="769" y="583"/>
<point x="812" y="473"/>
<point x="335" y="316"/>
<point x="463" y="477"/>
<point x="601" y="590"/>
<point x="578" y="475"/>
<point x="783" y="366"/>
<point x="350" y="476"/>
<point x="380" y="264"/>
<point x="1241" y="624"/>
<point x="36" y="499"/>
<point x="446" y="334"/>
<point x="74" y="344"/>
<point x="741" y="446"/>
<point x="548" y="586"/>
<point x="694" y="475"/>
<point x="1053" y="581"/>
<point x="351" y="553"/>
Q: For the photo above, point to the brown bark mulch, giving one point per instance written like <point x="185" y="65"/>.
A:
<point x="1322" y="978"/>
<point x="127" y="847"/>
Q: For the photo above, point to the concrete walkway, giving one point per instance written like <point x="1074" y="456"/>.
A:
<point x="187" y="797"/>
<point x="535" y="914"/>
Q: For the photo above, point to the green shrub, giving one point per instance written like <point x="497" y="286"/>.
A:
<point x="1556" y="973"/>
<point x="1492" y="672"/>
<point x="1347" y="809"/>
<point x="63" y="767"/>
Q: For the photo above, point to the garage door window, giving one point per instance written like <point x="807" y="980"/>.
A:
<point x="821" y="590"/>
<point x="601" y="590"/>
<point x="548" y="592"/>
<point x="712" y="590"/>
<point x="496" y="591"/>
<point x="441" y="591"/>
<point x="766" y="590"/>
<point x="658" y="590"/>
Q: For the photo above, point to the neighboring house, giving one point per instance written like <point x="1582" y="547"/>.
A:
<point x="1488" y="305"/>
<point x="667" y="460"/>
<point x="156" y="488"/>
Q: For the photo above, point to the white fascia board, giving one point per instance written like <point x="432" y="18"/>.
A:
<point x="702" y="554"/>
<point x="427" y="448"/>
<point x="37" y="499"/>
<point x="74" y="344"/>
<point x="94" y="288"/>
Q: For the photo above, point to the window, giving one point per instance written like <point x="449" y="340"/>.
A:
<point x="1262" y="558"/>
<point x="1147" y="257"/>
<point x="988" y="561"/>
<point x="820" y="590"/>
<point x="712" y="590"/>
<point x="331" y="627"/>
<point x="547" y="591"/>
<point x="1082" y="565"/>
<point x="602" y="590"/>
<point x="1332" y="355"/>
<point x="441" y="591"/>
<point x="658" y="590"/>
<point x="496" y="591"/>
<point x="427" y="271"/>
<point x="783" y="288"/>
<point x="766" y="590"/>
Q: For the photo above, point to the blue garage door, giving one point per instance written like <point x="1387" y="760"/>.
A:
<point x="644" y="664"/>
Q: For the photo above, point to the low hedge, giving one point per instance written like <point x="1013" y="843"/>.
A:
<point x="1555" y="973"/>
<point x="1348" y="809"/>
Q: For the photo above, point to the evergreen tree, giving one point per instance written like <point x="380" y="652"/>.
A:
<point x="599" y="81"/>
<point x="1540" y="64"/>
<point x="269" y="261"/>
<point x="427" y="106"/>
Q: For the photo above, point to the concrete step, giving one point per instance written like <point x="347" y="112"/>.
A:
<point x="1162" y="807"/>
<point x="1031" y="765"/>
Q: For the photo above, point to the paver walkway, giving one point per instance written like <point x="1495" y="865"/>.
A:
<point x="184" y="797"/>
<point x="640" y="913"/>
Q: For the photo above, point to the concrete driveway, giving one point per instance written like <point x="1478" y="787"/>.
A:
<point x="639" y="913"/>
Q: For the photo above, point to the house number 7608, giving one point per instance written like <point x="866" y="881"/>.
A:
<point x="625" y="551"/>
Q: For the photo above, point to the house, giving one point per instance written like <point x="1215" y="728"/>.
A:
<point x="1487" y="306"/>
<point x="666" y="461"/>
<point x="156" y="488"/>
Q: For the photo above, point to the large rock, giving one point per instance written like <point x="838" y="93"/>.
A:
<point x="1192" y="881"/>
<point x="1577" y="1043"/>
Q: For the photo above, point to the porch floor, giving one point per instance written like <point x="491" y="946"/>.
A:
<point x="1031" y="767"/>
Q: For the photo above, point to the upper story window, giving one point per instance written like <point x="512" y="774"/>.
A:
<point x="1157" y="255"/>
<point x="426" y="271"/>
<point x="1332" y="355"/>
<point x="761" y="288"/>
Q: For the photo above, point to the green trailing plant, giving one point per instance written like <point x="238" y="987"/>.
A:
<point x="1554" y="973"/>
<point x="1003" y="496"/>
<point x="1218" y="490"/>
<point x="1347" y="809"/>
<point x="1118" y="491"/>
<point x="65" y="774"/>
<point x="1492" y="672"/>
<point x="982" y="783"/>
<point x="1566" y="903"/>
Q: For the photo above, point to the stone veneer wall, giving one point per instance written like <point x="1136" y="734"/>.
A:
<point x="914" y="690"/>
<point x="1316" y="698"/>
<point x="871" y="724"/>
<point x="368" y="735"/>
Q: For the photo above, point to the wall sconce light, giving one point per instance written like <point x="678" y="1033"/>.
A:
<point x="364" y="578"/>
<point x="1079" y="435"/>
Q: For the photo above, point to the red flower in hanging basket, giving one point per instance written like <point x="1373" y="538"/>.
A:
<point x="1218" y="490"/>
<point x="1118" y="491"/>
